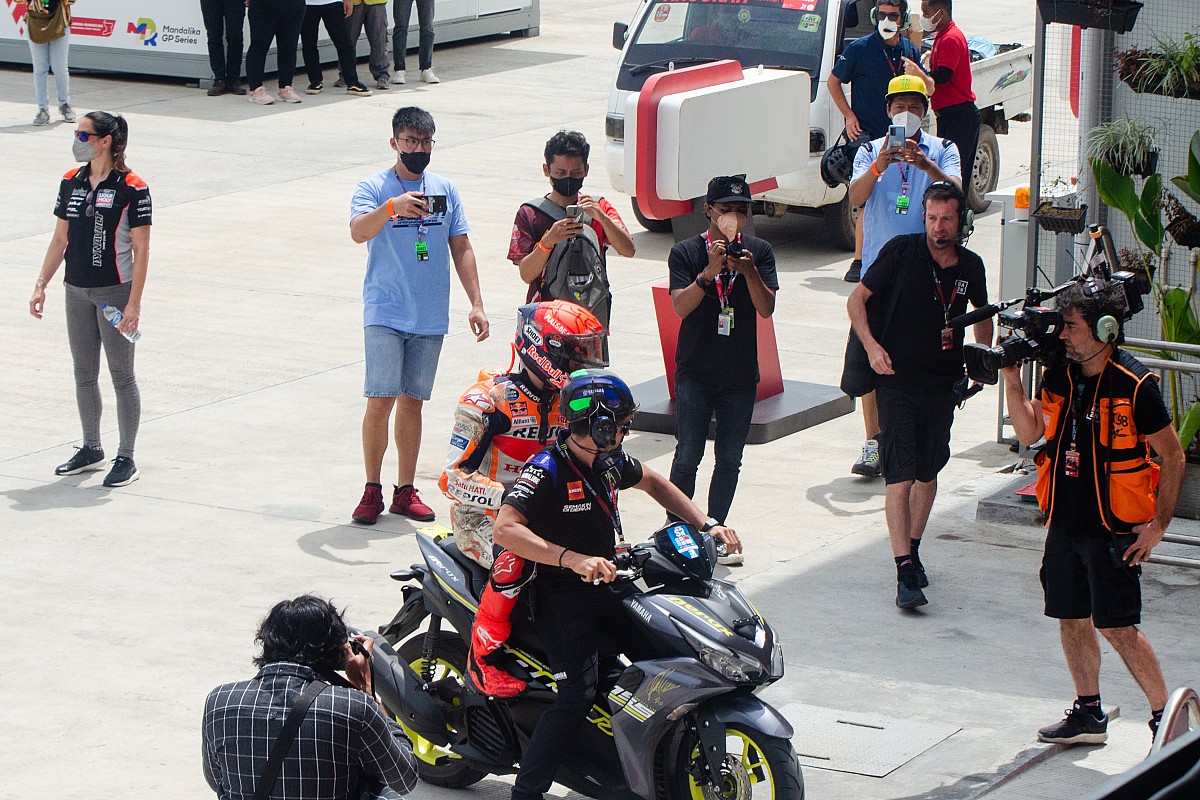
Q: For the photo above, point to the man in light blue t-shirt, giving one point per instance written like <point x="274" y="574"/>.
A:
<point x="414" y="226"/>
<point x="888" y="185"/>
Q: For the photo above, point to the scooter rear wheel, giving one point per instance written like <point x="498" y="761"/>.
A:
<point x="438" y="765"/>
<point x="756" y="765"/>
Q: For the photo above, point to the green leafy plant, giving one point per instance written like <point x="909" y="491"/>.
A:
<point x="1143" y="211"/>
<point x="1172" y="70"/>
<point x="1190" y="184"/>
<point x="1129" y="148"/>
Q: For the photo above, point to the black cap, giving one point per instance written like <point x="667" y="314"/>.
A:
<point x="728" y="189"/>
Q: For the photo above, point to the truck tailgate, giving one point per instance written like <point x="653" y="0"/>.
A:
<point x="1005" y="78"/>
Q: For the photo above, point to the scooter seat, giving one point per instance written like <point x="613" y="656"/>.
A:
<point x="479" y="575"/>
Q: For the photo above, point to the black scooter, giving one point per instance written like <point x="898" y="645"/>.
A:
<point x="683" y="724"/>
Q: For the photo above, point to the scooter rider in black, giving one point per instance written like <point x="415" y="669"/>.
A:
<point x="562" y="513"/>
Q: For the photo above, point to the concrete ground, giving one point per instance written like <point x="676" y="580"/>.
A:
<point x="122" y="608"/>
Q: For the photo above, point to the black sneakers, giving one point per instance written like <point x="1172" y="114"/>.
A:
<point x="922" y="578"/>
<point x="123" y="472"/>
<point x="908" y="590"/>
<point x="854" y="274"/>
<point x="84" y="460"/>
<point x="1080" y="726"/>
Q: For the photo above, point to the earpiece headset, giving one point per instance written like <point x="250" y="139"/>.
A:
<point x="1104" y="327"/>
<point x="966" y="217"/>
<point x="904" y="18"/>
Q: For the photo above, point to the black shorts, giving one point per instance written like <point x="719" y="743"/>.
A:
<point x="914" y="438"/>
<point x="1080" y="579"/>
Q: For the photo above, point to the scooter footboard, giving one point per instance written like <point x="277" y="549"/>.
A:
<point x="399" y="687"/>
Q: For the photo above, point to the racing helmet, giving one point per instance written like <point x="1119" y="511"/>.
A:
<point x="837" y="165"/>
<point x="556" y="338"/>
<point x="600" y="398"/>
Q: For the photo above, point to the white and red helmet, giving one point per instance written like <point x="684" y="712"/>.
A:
<point x="555" y="338"/>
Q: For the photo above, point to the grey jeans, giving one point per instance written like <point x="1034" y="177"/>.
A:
<point x="374" y="19"/>
<point x="87" y="330"/>
<point x="401" y="14"/>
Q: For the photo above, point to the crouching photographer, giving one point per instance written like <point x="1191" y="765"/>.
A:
<point x="1101" y="412"/>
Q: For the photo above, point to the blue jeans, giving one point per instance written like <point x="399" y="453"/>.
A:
<point x="695" y="404"/>
<point x="46" y="57"/>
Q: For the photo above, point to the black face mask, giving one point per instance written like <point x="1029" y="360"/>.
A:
<point x="415" y="162"/>
<point x="607" y="460"/>
<point x="567" y="187"/>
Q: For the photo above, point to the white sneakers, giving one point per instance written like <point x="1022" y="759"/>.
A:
<point x="428" y="76"/>
<point x="398" y="77"/>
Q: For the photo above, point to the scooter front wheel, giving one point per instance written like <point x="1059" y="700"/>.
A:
<point x="756" y="765"/>
<point x="438" y="765"/>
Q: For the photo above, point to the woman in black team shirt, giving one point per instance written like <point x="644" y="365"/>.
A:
<point x="103" y="234"/>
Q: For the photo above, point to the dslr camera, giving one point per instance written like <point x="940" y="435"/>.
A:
<point x="1036" y="327"/>
<point x="734" y="248"/>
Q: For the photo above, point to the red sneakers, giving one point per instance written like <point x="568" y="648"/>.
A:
<point x="406" y="501"/>
<point x="371" y="505"/>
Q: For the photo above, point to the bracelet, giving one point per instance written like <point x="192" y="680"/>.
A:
<point x="874" y="169"/>
<point x="391" y="211"/>
<point x="702" y="283"/>
<point x="543" y="248"/>
<point x="560" y="557"/>
<point x="39" y="283"/>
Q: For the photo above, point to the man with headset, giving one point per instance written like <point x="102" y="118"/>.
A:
<point x="562" y="513"/>
<point x="926" y="279"/>
<point x="1100" y="412"/>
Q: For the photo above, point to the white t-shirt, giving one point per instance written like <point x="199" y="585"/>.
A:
<point x="321" y="2"/>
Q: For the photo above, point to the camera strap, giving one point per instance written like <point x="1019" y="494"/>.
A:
<point x="291" y="726"/>
<point x="724" y="289"/>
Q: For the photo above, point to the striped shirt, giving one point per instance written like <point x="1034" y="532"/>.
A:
<point x="345" y="744"/>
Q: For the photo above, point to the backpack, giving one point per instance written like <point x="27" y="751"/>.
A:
<point x="575" y="269"/>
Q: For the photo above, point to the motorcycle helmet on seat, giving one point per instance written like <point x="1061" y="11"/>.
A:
<point x="555" y="338"/>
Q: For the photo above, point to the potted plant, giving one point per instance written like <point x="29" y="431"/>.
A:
<point x="1112" y="15"/>
<point x="1126" y="146"/>
<point x="1059" y="210"/>
<point x="1173" y="70"/>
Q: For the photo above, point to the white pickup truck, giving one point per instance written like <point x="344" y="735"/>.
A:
<point x="803" y="35"/>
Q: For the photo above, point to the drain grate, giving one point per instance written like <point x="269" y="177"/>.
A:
<point x="865" y="744"/>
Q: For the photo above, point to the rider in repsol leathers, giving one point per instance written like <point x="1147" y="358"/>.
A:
<point x="499" y="423"/>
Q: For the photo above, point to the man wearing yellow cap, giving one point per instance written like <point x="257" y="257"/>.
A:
<point x="888" y="184"/>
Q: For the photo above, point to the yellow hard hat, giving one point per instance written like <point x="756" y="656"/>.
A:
<point x="905" y="84"/>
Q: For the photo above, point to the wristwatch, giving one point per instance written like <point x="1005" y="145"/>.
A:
<point x="702" y="283"/>
<point x="708" y="525"/>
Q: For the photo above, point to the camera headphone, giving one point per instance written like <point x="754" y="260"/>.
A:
<point x="966" y="217"/>
<point x="904" y="18"/>
<point x="1105" y="328"/>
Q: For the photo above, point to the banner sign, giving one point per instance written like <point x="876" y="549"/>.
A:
<point x="172" y="26"/>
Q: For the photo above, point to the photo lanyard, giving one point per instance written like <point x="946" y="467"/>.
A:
<point x="421" y="247"/>
<point x="947" y="331"/>
<point x="610" y="507"/>
<point x="1071" y="464"/>
<point x="724" y="292"/>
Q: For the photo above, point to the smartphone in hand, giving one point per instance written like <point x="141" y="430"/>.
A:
<point x="895" y="136"/>
<point x="575" y="212"/>
<point x="435" y="204"/>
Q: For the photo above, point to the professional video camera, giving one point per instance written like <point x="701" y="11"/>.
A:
<point x="1036" y="327"/>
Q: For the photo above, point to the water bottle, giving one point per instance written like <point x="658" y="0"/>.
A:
<point x="114" y="316"/>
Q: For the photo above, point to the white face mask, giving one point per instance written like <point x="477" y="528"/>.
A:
<point x="927" y="23"/>
<point x="887" y="28"/>
<point x="910" y="121"/>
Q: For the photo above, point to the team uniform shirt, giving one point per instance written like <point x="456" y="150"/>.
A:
<point x="568" y="504"/>
<point x="950" y="50"/>
<point x="531" y="225"/>
<point x="881" y="221"/>
<point x="100" y="223"/>
<point x="400" y="291"/>
<point x="913" y="339"/>
<point x="703" y="353"/>
<point x="867" y="64"/>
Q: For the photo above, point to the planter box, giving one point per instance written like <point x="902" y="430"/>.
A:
<point x="1115" y="15"/>
<point x="1061" y="220"/>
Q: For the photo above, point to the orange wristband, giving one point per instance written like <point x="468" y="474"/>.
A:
<point x="874" y="169"/>
<point x="391" y="211"/>
<point x="543" y="247"/>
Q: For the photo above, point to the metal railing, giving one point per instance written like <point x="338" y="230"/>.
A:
<point x="1181" y="714"/>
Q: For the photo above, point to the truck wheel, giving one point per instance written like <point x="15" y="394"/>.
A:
<point x="839" y="218"/>
<point x="652" y="225"/>
<point x="986" y="171"/>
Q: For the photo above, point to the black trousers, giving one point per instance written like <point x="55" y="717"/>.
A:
<point x="578" y="625"/>
<point x="338" y="27"/>
<point x="280" y="20"/>
<point x="960" y="124"/>
<point x="223" y="22"/>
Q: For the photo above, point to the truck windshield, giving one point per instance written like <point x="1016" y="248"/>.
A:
<point x="785" y="34"/>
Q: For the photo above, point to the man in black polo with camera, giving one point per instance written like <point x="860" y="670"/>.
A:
<point x="1100" y="412"/>
<point x="918" y="359"/>
<point x="721" y="282"/>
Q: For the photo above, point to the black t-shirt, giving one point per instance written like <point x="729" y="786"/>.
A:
<point x="99" y="225"/>
<point x="569" y="504"/>
<point x="913" y="340"/>
<point x="1076" y="507"/>
<point x="703" y="353"/>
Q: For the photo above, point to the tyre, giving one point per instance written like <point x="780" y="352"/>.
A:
<point x="839" y="218"/>
<point x="756" y="765"/>
<point x="986" y="170"/>
<point x="652" y="225"/>
<point x="435" y="764"/>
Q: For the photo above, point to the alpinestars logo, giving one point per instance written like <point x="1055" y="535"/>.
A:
<point x="146" y="30"/>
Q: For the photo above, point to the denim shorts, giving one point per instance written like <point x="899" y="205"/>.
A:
<point x="400" y="363"/>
